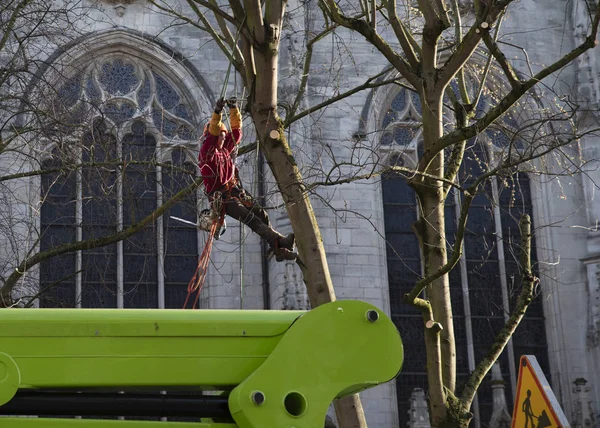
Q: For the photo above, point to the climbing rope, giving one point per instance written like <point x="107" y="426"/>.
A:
<point x="197" y="282"/>
<point x="235" y="41"/>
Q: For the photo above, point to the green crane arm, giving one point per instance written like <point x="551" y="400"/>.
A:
<point x="277" y="368"/>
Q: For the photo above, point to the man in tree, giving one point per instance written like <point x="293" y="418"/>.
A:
<point x="220" y="179"/>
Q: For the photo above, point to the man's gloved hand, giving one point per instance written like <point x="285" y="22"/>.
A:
<point x="232" y="102"/>
<point x="219" y="105"/>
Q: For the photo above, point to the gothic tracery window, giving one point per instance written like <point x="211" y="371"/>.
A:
<point x="489" y="276"/>
<point x="133" y="134"/>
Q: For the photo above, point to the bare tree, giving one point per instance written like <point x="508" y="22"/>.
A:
<point x="435" y="59"/>
<point x="439" y="43"/>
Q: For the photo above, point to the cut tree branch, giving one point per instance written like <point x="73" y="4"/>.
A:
<point x="274" y="11"/>
<point x="465" y="49"/>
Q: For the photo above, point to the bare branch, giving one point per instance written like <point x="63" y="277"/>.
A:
<point x="306" y="69"/>
<point x="464" y="94"/>
<point x="369" y="33"/>
<point x="511" y="98"/>
<point x="254" y="16"/>
<point x="509" y="72"/>
<point x="486" y="70"/>
<point x="465" y="49"/>
<point x="403" y="34"/>
<point x="29" y="262"/>
<point x="436" y="17"/>
<point x="525" y="298"/>
<point x="11" y="22"/>
<point x="214" y="8"/>
<point x="399" y="169"/>
<point x="369" y="83"/>
<point x="223" y="26"/>
<point x="216" y="36"/>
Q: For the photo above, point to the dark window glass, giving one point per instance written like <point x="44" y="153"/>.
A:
<point x="99" y="220"/>
<point x="57" y="274"/>
<point x="181" y="240"/>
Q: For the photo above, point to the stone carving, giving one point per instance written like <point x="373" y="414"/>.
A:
<point x="583" y="414"/>
<point x="120" y="6"/>
<point x="594" y="306"/>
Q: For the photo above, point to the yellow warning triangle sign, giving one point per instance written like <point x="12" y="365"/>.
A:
<point x="536" y="405"/>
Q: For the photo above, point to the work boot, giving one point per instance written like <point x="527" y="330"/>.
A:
<point x="287" y="242"/>
<point x="282" y="254"/>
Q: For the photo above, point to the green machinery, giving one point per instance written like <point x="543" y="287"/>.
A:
<point x="266" y="369"/>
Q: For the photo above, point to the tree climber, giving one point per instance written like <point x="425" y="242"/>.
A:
<point x="219" y="175"/>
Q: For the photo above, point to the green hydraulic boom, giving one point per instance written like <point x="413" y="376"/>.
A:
<point x="224" y="368"/>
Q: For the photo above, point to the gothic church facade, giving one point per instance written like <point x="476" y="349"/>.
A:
<point x="157" y="83"/>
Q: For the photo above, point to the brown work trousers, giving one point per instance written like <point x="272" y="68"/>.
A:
<point x="242" y="207"/>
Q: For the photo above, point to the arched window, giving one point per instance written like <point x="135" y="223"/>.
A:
<point x="132" y="132"/>
<point x="487" y="279"/>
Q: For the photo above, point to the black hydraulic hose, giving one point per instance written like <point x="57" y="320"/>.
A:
<point x="36" y="402"/>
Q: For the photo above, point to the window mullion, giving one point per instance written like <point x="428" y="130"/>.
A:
<point x="503" y="280"/>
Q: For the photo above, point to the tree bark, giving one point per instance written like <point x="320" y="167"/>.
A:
<point x="430" y="228"/>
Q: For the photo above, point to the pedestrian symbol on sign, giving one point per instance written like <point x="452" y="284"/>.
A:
<point x="527" y="410"/>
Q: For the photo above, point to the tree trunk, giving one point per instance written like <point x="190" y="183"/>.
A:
<point x="440" y="345"/>
<point x="312" y="258"/>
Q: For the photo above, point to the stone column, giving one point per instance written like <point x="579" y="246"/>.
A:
<point x="500" y="416"/>
<point x="419" y="412"/>
<point x="593" y="273"/>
